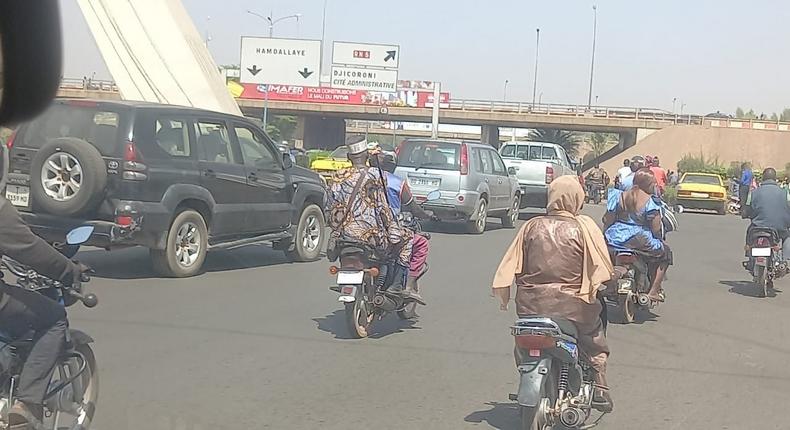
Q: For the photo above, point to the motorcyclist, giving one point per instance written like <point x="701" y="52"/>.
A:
<point x="626" y="182"/>
<point x="769" y="208"/>
<point x="623" y="172"/>
<point x="357" y="211"/>
<point x="401" y="199"/>
<point x="23" y="311"/>
<point x="597" y="179"/>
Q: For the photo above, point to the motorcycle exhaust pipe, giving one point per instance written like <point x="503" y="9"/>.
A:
<point x="572" y="417"/>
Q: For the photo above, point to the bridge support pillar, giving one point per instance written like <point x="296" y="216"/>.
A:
<point x="489" y="135"/>
<point x="627" y="139"/>
<point x="322" y="133"/>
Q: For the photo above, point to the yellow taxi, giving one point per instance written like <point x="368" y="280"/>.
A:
<point x="702" y="191"/>
<point x="337" y="160"/>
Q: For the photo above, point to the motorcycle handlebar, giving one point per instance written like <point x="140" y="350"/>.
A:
<point x="89" y="300"/>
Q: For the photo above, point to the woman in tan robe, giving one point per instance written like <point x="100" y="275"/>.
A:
<point x="559" y="261"/>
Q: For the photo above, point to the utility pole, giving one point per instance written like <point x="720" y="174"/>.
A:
<point x="592" y="61"/>
<point x="535" y="80"/>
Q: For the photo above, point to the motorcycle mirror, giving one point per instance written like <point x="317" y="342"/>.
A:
<point x="433" y="195"/>
<point x="79" y="235"/>
<point x="90" y="301"/>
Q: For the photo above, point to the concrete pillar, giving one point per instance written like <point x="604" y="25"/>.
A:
<point x="489" y="134"/>
<point x="627" y="139"/>
<point x="323" y="133"/>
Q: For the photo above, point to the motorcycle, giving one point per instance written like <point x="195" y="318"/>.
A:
<point x="595" y="193"/>
<point x="363" y="279"/>
<point x="70" y="400"/>
<point x="628" y="293"/>
<point x="766" y="260"/>
<point x="557" y="385"/>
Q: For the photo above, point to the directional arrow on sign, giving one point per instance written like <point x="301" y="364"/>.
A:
<point x="305" y="73"/>
<point x="254" y="69"/>
<point x="390" y="55"/>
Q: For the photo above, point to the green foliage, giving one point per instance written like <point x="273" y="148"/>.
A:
<point x="567" y="139"/>
<point x="785" y="116"/>
<point x="774" y="117"/>
<point x="701" y="164"/>
<point x="601" y="142"/>
<point x="739" y="112"/>
<point x="670" y="195"/>
<point x="281" y="128"/>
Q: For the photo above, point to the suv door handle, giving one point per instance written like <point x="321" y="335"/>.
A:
<point x="252" y="177"/>
<point x="210" y="173"/>
<point x="499" y="181"/>
<point x="486" y="179"/>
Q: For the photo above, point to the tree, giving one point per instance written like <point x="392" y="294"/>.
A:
<point x="739" y="112"/>
<point x="785" y="116"/>
<point x="567" y="139"/>
<point x="281" y="128"/>
<point x="750" y="114"/>
<point x="774" y="117"/>
<point x="599" y="143"/>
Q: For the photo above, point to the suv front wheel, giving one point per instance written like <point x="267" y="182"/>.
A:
<point x="309" y="237"/>
<point x="185" y="250"/>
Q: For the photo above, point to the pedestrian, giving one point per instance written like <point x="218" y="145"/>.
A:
<point x="660" y="174"/>
<point x="744" y="185"/>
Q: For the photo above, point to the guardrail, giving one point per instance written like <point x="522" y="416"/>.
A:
<point x="551" y="109"/>
<point x="88" y="84"/>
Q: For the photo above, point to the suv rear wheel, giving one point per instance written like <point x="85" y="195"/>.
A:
<point x="68" y="177"/>
<point x="511" y="217"/>
<point x="478" y="226"/>
<point x="185" y="250"/>
<point x="310" y="235"/>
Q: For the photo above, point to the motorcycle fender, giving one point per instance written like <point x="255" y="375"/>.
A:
<point x="349" y="296"/>
<point x="761" y="261"/>
<point x="79" y="337"/>
<point x="533" y="377"/>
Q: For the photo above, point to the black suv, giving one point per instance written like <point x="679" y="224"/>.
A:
<point x="177" y="180"/>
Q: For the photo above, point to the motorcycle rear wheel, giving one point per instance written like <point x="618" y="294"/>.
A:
<point x="89" y="381"/>
<point x="358" y="317"/>
<point x="761" y="278"/>
<point x="626" y="308"/>
<point x="534" y="418"/>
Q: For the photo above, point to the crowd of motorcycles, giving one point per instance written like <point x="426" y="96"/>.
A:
<point x="556" y="381"/>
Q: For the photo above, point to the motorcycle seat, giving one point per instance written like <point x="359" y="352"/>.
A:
<point x="768" y="232"/>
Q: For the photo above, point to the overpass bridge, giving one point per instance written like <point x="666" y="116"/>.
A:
<point x="323" y="125"/>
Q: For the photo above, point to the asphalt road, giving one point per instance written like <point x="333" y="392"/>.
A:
<point x="257" y="343"/>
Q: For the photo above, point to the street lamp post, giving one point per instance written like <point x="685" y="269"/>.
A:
<point x="535" y="78"/>
<point x="323" y="32"/>
<point x="270" y="19"/>
<point x="504" y="95"/>
<point x="674" y="101"/>
<point x="592" y="61"/>
<point x="208" y="33"/>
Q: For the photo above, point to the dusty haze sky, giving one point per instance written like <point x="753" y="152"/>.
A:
<point x="712" y="55"/>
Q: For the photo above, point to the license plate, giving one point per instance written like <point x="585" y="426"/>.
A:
<point x="18" y="195"/>
<point x="761" y="252"/>
<point x="350" y="278"/>
<point x="425" y="182"/>
<point x="699" y="195"/>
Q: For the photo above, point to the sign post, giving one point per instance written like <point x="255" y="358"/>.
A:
<point x="365" y="66"/>
<point x="266" y="61"/>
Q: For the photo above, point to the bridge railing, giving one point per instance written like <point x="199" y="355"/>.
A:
<point x="88" y="84"/>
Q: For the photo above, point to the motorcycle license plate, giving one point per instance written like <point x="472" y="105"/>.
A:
<point x="761" y="252"/>
<point x="350" y="278"/>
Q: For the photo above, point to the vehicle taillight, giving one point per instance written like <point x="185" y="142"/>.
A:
<point x="464" y="159"/>
<point x="82" y="103"/>
<point x="10" y="143"/>
<point x="717" y="195"/>
<point x="123" y="220"/>
<point x="397" y="150"/>
<point x="133" y="168"/>
<point x="763" y="241"/>
<point x="531" y="341"/>
<point x="549" y="174"/>
<point x="625" y="259"/>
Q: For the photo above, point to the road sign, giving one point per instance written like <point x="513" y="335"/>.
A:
<point x="360" y="78"/>
<point x="280" y="61"/>
<point x="366" y="54"/>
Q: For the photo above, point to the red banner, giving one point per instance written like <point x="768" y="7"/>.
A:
<point x="293" y="93"/>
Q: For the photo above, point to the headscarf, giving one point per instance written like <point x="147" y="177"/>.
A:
<point x="566" y="198"/>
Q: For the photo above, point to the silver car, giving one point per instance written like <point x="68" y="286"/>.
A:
<point x="472" y="178"/>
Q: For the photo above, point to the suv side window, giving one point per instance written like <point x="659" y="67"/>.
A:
<point x="254" y="149"/>
<point x="499" y="165"/>
<point x="214" y="142"/>
<point x="172" y="136"/>
<point x="486" y="164"/>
